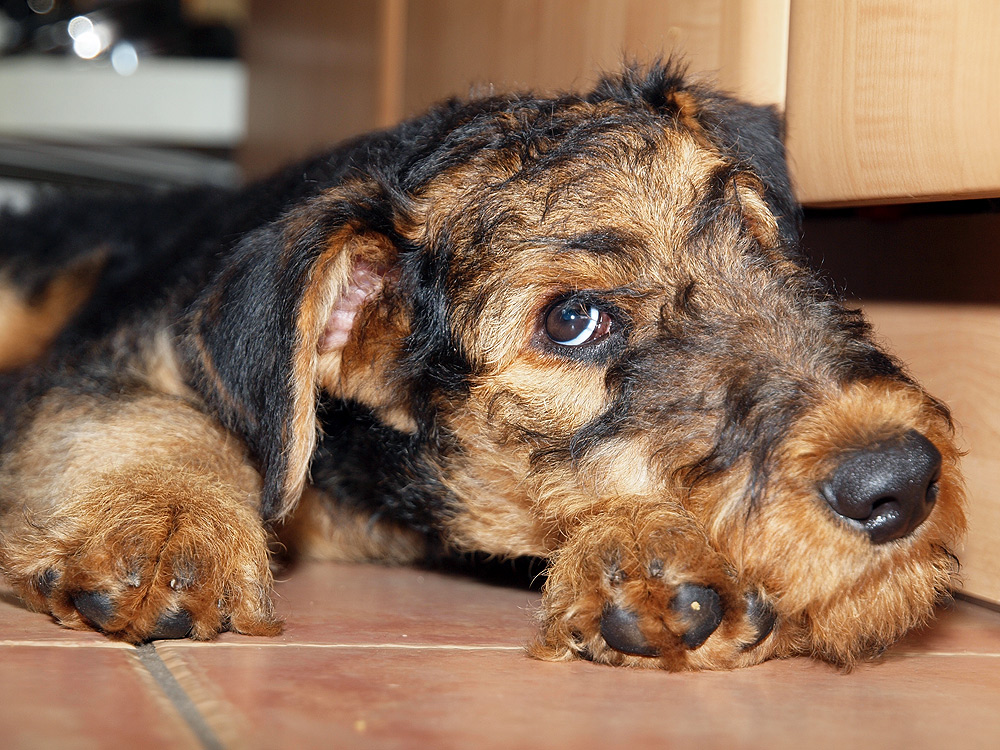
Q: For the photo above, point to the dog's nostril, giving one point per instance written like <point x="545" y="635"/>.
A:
<point x="889" y="488"/>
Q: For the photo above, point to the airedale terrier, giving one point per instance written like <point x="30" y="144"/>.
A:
<point x="576" y="328"/>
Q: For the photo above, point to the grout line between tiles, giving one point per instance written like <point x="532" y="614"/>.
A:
<point x="178" y="696"/>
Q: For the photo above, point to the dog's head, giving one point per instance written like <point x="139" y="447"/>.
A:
<point x="534" y="305"/>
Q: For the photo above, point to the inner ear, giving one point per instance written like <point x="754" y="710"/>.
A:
<point x="364" y="283"/>
<point x="358" y="326"/>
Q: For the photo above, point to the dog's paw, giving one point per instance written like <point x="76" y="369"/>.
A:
<point x="642" y="587"/>
<point x="146" y="556"/>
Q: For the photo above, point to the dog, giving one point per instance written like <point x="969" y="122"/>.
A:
<point x="577" y="328"/>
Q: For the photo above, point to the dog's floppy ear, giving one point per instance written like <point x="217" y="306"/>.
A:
<point x="755" y="134"/>
<point x="284" y="305"/>
<point x="752" y="134"/>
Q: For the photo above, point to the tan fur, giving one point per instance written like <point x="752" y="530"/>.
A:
<point x="140" y="496"/>
<point x="312" y="367"/>
<point x="158" y="510"/>
<point x="329" y="281"/>
<point x="828" y="583"/>
<point x="28" y="326"/>
<point x="651" y="547"/>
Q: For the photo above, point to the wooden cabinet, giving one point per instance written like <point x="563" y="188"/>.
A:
<point x="893" y="100"/>
<point x="886" y="101"/>
<point x="323" y="71"/>
<point x="954" y="350"/>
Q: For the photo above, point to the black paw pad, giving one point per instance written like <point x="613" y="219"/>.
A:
<point x="47" y="581"/>
<point x="620" y="630"/>
<point x="762" y="616"/>
<point x="700" y="610"/>
<point x="173" y="625"/>
<point x="95" y="607"/>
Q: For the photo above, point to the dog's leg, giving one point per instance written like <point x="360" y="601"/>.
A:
<point x="136" y="516"/>
<point x="639" y="584"/>
<point x="321" y="528"/>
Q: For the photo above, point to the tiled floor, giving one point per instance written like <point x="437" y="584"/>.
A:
<point x="399" y="658"/>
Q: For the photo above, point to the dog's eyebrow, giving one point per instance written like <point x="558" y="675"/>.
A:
<point x="602" y="241"/>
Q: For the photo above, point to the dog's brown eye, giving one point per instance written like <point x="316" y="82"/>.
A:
<point x="575" y="323"/>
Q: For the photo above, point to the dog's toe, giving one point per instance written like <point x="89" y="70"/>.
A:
<point x="620" y="630"/>
<point x="699" y="610"/>
<point x="173" y="624"/>
<point x="761" y="616"/>
<point x="95" y="607"/>
<point x="46" y="581"/>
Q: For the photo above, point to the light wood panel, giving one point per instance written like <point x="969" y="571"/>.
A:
<point x="954" y="350"/>
<point x="894" y="100"/>
<point x="320" y="72"/>
<point x="315" y="71"/>
<point x="566" y="44"/>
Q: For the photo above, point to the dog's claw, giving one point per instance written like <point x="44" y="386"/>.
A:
<point x="620" y="630"/>
<point x="700" y="609"/>
<point x="46" y="582"/>
<point x="98" y="609"/>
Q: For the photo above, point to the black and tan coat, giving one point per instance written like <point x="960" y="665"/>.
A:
<point x="574" y="328"/>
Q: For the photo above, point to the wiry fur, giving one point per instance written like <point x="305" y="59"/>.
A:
<point x="369" y="329"/>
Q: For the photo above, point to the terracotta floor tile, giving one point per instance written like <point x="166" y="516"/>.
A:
<point x="83" y="697"/>
<point x="20" y="625"/>
<point x="963" y="628"/>
<point x="327" y="681"/>
<point x="400" y="658"/>
<point x="381" y="698"/>
<point x="366" y="604"/>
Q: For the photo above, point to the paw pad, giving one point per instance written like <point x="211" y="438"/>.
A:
<point x="620" y="630"/>
<point x="699" y="610"/>
<point x="176" y="624"/>
<point x="95" y="607"/>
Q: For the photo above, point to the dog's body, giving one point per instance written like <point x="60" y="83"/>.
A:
<point x="571" y="328"/>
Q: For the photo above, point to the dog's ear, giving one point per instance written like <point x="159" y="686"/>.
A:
<point x="755" y="135"/>
<point x="275" y="321"/>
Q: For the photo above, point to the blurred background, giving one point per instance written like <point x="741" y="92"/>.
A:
<point x="891" y="109"/>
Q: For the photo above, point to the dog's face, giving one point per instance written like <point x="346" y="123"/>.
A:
<point x="582" y="302"/>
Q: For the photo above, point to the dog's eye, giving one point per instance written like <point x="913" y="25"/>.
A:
<point x="575" y="323"/>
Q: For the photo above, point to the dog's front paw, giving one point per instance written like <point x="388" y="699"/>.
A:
<point x="145" y="555"/>
<point x="642" y="587"/>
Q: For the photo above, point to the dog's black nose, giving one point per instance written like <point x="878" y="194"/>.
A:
<point x="887" y="489"/>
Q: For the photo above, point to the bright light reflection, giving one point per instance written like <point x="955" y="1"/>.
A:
<point x="88" y="46"/>
<point x="89" y="39"/>
<point x="124" y="58"/>
<point x="41" y="7"/>
<point x="80" y="26"/>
